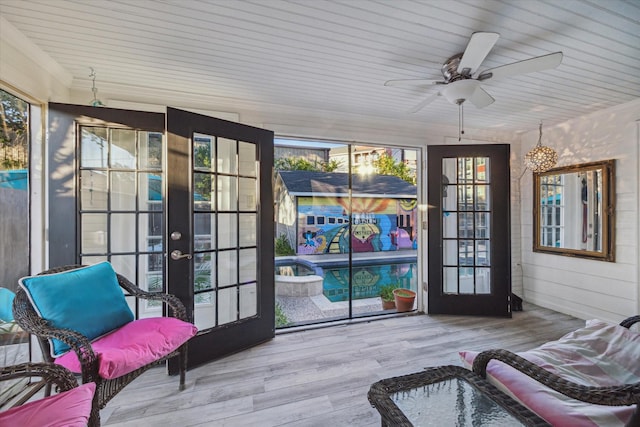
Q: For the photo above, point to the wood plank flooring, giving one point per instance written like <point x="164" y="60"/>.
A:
<point x="321" y="377"/>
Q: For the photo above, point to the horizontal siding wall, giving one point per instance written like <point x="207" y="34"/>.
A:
<point x="581" y="287"/>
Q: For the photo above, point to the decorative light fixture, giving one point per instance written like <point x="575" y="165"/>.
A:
<point x="96" y="102"/>
<point x="541" y="158"/>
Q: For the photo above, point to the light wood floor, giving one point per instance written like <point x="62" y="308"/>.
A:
<point x="321" y="377"/>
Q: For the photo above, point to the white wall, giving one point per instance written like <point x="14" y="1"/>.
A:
<point x="580" y="287"/>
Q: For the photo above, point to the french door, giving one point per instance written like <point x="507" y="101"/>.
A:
<point x="220" y="231"/>
<point x="469" y="230"/>
<point x="178" y="203"/>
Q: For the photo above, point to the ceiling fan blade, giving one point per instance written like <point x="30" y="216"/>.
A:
<point x="539" y="63"/>
<point x="424" y="103"/>
<point x="477" y="49"/>
<point x="481" y="98"/>
<point x="412" y="82"/>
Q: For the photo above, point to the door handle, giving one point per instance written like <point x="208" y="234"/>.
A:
<point x="177" y="254"/>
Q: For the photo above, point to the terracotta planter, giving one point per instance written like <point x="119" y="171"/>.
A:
<point x="405" y="298"/>
<point x="388" y="305"/>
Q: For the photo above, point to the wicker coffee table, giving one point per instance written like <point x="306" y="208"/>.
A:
<point x="447" y="396"/>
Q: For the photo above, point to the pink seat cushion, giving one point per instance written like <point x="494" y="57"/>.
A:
<point x="68" y="409"/>
<point x="134" y="345"/>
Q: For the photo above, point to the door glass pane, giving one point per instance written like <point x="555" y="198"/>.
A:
<point x="150" y="150"/>
<point x="450" y="170"/>
<point x="227" y="268"/>
<point x="482" y="252"/>
<point x="466" y="252"/>
<point x="450" y="252"/>
<point x="450" y="280"/>
<point x="150" y="232"/>
<point x="481" y="198"/>
<point x="482" y="225"/>
<point x="94" y="233"/>
<point x="203" y="152"/>
<point x="123" y="232"/>
<point x="482" y="170"/>
<point x="450" y="225"/>
<point x="149" y="189"/>
<point x="227" y="231"/>
<point x="94" y="147"/>
<point x="466" y="225"/>
<point x="248" y="194"/>
<point x="449" y="198"/>
<point x="93" y="190"/>
<point x="227" y="305"/>
<point x="204" y="226"/>
<point x="248" y="165"/>
<point x="248" y="300"/>
<point x="203" y="275"/>
<point x="202" y="191"/>
<point x="123" y="148"/>
<point x="248" y="230"/>
<point x="227" y="193"/>
<point x="204" y="310"/>
<point x="123" y="191"/>
<point x="467" y="285"/>
<point x="227" y="156"/>
<point x="483" y="280"/>
<point x="465" y="197"/>
<point x="248" y="265"/>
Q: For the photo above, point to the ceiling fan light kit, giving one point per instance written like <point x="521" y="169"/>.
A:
<point x="460" y="91"/>
<point x="541" y="158"/>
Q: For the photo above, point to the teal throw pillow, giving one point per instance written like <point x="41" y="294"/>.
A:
<point x="88" y="300"/>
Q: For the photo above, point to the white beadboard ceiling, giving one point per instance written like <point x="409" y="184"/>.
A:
<point x="335" y="55"/>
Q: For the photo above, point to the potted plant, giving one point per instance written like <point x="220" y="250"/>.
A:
<point x="386" y="295"/>
<point x="404" y="299"/>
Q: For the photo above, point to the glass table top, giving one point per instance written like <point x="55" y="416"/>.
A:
<point x="452" y="402"/>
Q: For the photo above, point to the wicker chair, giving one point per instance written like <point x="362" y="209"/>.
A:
<point x="27" y="317"/>
<point x="50" y="374"/>
<point x="622" y="395"/>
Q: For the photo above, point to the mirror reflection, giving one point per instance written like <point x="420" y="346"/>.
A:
<point x="573" y="210"/>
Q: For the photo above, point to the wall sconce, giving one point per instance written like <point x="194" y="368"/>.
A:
<point x="541" y="158"/>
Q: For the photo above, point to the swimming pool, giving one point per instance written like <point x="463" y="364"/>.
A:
<point x="367" y="277"/>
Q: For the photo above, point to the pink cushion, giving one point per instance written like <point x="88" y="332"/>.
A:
<point x="134" y="345"/>
<point x="68" y="409"/>
<point x="599" y="354"/>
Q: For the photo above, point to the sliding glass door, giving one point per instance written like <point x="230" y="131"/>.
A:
<point x="346" y="220"/>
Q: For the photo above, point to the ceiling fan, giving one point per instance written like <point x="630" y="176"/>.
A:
<point x="462" y="81"/>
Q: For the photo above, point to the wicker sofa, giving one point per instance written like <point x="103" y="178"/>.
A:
<point x="589" y="377"/>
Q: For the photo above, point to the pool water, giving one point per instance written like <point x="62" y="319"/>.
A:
<point x="367" y="280"/>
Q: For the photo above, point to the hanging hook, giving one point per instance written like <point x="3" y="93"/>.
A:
<point x="96" y="102"/>
<point x="540" y="136"/>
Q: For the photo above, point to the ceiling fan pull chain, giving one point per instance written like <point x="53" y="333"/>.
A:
<point x="460" y="119"/>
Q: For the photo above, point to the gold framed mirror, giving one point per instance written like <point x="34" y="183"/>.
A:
<point x="573" y="210"/>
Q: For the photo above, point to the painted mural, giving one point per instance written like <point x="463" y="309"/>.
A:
<point x="378" y="225"/>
